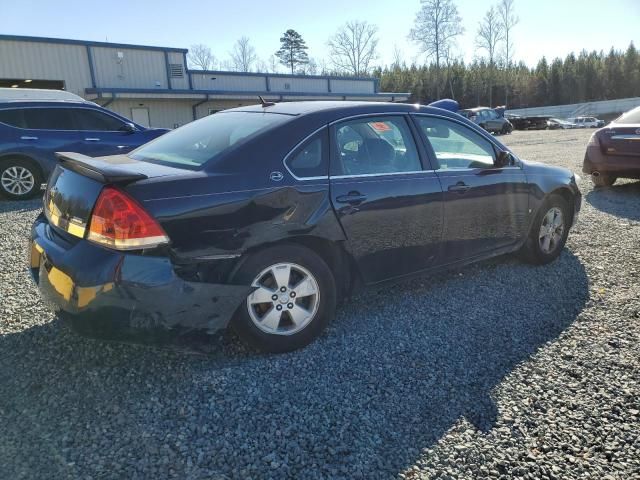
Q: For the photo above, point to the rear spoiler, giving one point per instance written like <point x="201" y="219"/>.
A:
<point x="100" y="170"/>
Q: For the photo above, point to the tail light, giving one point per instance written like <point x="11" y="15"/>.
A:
<point x="594" y="141"/>
<point x="119" y="222"/>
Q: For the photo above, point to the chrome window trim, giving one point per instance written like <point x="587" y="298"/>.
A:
<point x="362" y="115"/>
<point x="625" y="137"/>
<point x="369" y="175"/>
<point x="68" y="107"/>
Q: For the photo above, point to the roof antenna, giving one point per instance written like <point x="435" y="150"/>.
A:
<point x="264" y="103"/>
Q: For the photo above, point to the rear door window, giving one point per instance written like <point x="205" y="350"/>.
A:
<point x="48" y="119"/>
<point x="13" y="118"/>
<point x="94" y="120"/>
<point x="375" y="146"/>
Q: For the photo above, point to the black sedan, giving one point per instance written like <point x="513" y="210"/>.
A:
<point x="264" y="217"/>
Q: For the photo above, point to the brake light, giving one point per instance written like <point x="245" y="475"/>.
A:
<point x="119" y="222"/>
<point x="594" y="141"/>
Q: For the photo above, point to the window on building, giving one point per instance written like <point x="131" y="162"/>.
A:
<point x="88" y="119"/>
<point x="48" y="119"/>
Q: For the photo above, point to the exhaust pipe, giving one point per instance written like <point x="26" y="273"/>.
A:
<point x="595" y="174"/>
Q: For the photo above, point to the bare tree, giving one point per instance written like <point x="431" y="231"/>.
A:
<point x="508" y="20"/>
<point x="397" y="57"/>
<point x="273" y="64"/>
<point x="436" y="27"/>
<point x="243" y="55"/>
<point x="262" y="66"/>
<point x="200" y="56"/>
<point x="322" y="67"/>
<point x="490" y="34"/>
<point x="354" y="47"/>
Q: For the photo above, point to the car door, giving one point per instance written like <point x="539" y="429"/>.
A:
<point x="494" y="122"/>
<point x="46" y="130"/>
<point x="485" y="207"/>
<point x="390" y="207"/>
<point x="103" y="134"/>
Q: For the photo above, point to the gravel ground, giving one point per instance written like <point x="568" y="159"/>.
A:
<point x="502" y="370"/>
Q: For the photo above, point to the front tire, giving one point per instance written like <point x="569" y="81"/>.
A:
<point x="20" y="179"/>
<point x="549" y="231"/>
<point x="293" y="301"/>
<point x="603" y="180"/>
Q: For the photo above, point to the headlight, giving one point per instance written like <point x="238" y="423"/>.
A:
<point x="577" y="177"/>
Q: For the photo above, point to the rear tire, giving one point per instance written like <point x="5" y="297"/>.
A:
<point x="603" y="180"/>
<point x="549" y="231"/>
<point x="294" y="298"/>
<point x="20" y="179"/>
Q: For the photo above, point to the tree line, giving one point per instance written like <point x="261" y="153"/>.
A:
<point x="586" y="77"/>
<point x="492" y="78"/>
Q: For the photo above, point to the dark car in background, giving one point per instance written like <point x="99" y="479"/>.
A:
<point x="489" y="119"/>
<point x="33" y="128"/>
<point x="264" y="217"/>
<point x="614" y="151"/>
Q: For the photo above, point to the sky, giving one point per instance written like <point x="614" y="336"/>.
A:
<point x="548" y="28"/>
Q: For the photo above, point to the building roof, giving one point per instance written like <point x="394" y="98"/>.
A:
<point x="68" y="41"/>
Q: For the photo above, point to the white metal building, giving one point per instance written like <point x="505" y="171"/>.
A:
<point x="153" y="86"/>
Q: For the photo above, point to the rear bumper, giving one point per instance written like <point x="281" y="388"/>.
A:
<point x="121" y="292"/>
<point x="622" y="166"/>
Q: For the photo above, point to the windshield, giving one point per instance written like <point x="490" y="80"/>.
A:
<point x="631" y="117"/>
<point x="204" y="140"/>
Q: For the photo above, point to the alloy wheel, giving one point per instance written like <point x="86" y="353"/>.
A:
<point x="17" y="180"/>
<point x="285" y="299"/>
<point x="551" y="230"/>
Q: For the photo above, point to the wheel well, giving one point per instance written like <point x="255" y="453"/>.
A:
<point x="334" y="255"/>
<point x="568" y="197"/>
<point x="20" y="156"/>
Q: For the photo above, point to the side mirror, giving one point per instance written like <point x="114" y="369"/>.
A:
<point x="128" y="128"/>
<point x="504" y="159"/>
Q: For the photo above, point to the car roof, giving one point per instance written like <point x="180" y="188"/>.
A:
<point x="46" y="103"/>
<point x="333" y="110"/>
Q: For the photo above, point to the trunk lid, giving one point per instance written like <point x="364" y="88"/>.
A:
<point x="76" y="183"/>
<point x="620" y="140"/>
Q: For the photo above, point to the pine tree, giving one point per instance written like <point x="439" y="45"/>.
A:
<point x="293" y="50"/>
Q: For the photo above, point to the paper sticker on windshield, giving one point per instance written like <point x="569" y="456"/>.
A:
<point x="380" y="126"/>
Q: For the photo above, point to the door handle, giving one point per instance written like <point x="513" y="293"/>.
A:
<point x="459" y="187"/>
<point x="26" y="137"/>
<point x="353" y="198"/>
<point x="91" y="139"/>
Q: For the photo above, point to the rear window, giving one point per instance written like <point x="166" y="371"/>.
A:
<point x="632" y="117"/>
<point x="206" y="139"/>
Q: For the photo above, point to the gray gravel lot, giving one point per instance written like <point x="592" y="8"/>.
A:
<point x="502" y="370"/>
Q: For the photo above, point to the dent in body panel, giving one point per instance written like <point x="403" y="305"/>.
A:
<point x="236" y="222"/>
<point x="126" y="291"/>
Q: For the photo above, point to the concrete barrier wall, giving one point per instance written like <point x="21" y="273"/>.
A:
<point x="605" y="107"/>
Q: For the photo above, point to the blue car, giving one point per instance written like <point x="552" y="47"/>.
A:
<point x="32" y="130"/>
